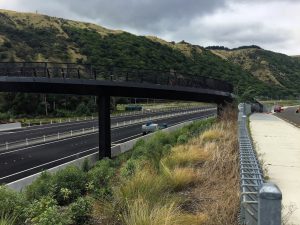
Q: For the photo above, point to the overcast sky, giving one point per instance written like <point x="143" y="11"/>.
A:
<point x="271" y="24"/>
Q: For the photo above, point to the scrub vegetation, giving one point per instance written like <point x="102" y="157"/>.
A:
<point x="189" y="176"/>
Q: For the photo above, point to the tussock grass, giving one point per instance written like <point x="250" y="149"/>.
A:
<point x="140" y="213"/>
<point x="185" y="155"/>
<point x="144" y="184"/>
<point x="180" y="177"/>
<point x="7" y="219"/>
<point x="212" y="135"/>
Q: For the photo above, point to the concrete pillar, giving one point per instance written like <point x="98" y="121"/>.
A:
<point x="269" y="205"/>
<point x="104" y="126"/>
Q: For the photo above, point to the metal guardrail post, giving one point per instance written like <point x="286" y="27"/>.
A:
<point x="269" y="205"/>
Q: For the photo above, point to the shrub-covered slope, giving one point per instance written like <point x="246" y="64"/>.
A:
<point x="270" y="67"/>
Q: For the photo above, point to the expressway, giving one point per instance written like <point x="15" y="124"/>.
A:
<point x="39" y="131"/>
<point x="19" y="163"/>
<point x="289" y="114"/>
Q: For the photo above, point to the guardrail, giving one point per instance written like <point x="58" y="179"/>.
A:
<point x="260" y="201"/>
<point x="112" y="73"/>
<point x="58" y="136"/>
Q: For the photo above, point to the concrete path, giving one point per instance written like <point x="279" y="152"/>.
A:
<point x="279" y="144"/>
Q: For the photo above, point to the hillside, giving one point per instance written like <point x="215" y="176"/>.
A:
<point x="34" y="37"/>
<point x="270" y="67"/>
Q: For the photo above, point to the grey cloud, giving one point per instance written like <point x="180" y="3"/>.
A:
<point x="254" y="33"/>
<point x="148" y="15"/>
<point x="173" y="19"/>
<point x="231" y="35"/>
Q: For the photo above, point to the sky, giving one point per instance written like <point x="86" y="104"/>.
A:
<point x="270" y="24"/>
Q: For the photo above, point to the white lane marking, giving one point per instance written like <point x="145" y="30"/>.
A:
<point x="21" y="149"/>
<point x="66" y="139"/>
<point x="47" y="163"/>
<point x="115" y="142"/>
<point x="3" y="133"/>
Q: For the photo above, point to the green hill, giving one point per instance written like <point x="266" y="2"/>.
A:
<point x="270" y="67"/>
<point x="34" y="37"/>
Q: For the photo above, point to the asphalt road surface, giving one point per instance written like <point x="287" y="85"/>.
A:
<point x="289" y="114"/>
<point x="19" y="163"/>
<point x="39" y="131"/>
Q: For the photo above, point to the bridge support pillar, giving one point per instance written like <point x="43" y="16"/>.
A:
<point x="104" y="126"/>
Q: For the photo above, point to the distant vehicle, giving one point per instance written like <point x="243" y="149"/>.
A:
<point x="278" y="108"/>
<point x="152" y="127"/>
<point x="133" y="108"/>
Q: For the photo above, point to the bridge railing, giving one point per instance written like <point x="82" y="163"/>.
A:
<point x="120" y="74"/>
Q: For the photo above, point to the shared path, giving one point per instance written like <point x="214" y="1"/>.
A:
<point x="277" y="141"/>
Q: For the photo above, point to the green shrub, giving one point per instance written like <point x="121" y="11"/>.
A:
<point x="82" y="110"/>
<point x="4" y="116"/>
<point x="80" y="210"/>
<point x="182" y="139"/>
<point x="100" y="176"/>
<point x="86" y="166"/>
<point x="46" y="212"/>
<point x="155" y="148"/>
<point x="70" y="183"/>
<point x="129" y="168"/>
<point x="42" y="186"/>
<point x="63" y="113"/>
<point x="12" y="203"/>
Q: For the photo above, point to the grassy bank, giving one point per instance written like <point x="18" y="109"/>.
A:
<point x="189" y="177"/>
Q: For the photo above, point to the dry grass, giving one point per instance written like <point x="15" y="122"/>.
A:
<point x="144" y="184"/>
<point x="212" y="135"/>
<point x="218" y="193"/>
<point x="180" y="178"/>
<point x="197" y="184"/>
<point x="140" y="213"/>
<point x="186" y="155"/>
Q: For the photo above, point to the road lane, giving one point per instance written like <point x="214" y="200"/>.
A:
<point x="39" y="131"/>
<point x="289" y="114"/>
<point x="52" y="154"/>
